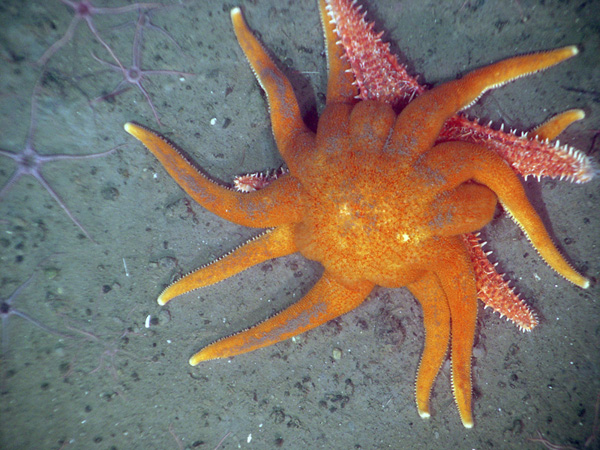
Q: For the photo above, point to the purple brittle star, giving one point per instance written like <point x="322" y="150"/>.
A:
<point x="7" y="310"/>
<point x="30" y="162"/>
<point x="134" y="75"/>
<point x="84" y="10"/>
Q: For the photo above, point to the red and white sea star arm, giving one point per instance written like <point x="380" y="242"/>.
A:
<point x="378" y="74"/>
<point x="527" y="155"/>
<point x="251" y="182"/>
<point x="493" y="290"/>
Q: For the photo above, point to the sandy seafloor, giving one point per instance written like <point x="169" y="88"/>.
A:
<point x="119" y="385"/>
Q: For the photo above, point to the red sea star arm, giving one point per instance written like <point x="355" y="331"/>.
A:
<point x="276" y="204"/>
<point x="459" y="162"/>
<point x="251" y="182"/>
<point x="325" y="301"/>
<point x="271" y="244"/>
<point x="419" y="124"/>
<point x="494" y="291"/>
<point x="527" y="156"/>
<point x="378" y="74"/>
<point x="340" y="85"/>
<point x="293" y="138"/>
<point x="436" y="320"/>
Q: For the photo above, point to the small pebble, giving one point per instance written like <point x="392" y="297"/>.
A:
<point x="337" y="353"/>
<point x="51" y="273"/>
<point x="163" y="317"/>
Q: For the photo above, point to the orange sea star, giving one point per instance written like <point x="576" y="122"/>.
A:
<point x="375" y="200"/>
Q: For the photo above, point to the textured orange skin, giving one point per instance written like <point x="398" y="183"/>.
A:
<point x="373" y="199"/>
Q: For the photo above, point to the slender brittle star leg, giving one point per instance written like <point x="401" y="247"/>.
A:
<point x="84" y="10"/>
<point x="30" y="162"/>
<point x="134" y="74"/>
<point x="7" y="309"/>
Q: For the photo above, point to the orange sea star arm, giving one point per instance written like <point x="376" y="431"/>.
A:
<point x="459" y="162"/>
<point x="292" y="136"/>
<point x="327" y="300"/>
<point x="272" y="206"/>
<point x="271" y="244"/>
<point x="557" y="124"/>
<point x="436" y="320"/>
<point x="420" y="123"/>
<point x="454" y="272"/>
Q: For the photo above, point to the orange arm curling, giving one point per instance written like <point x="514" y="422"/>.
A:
<point x="272" y="206"/>
<point x="486" y="167"/>
<point x="292" y="136"/>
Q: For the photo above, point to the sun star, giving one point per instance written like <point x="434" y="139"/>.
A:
<point x="376" y="200"/>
